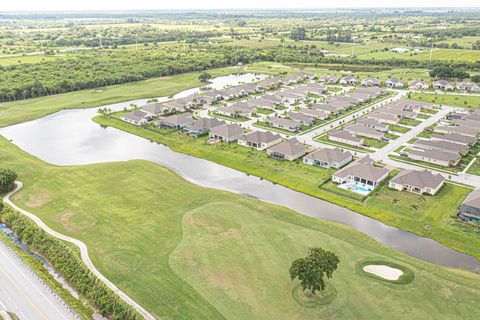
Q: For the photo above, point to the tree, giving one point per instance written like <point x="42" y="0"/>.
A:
<point x="204" y="76"/>
<point x="312" y="269"/>
<point x="298" y="33"/>
<point x="7" y="180"/>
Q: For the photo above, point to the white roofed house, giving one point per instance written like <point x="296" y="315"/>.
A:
<point x="370" y="82"/>
<point x="237" y="110"/>
<point x="443" y="85"/>
<point x="418" y="182"/>
<point x="259" y="140"/>
<point x="329" y="78"/>
<point x="137" y="117"/>
<point x="470" y="208"/>
<point x="394" y="83"/>
<point x="468" y="86"/>
<point x="346" y="138"/>
<point x="361" y="171"/>
<point x="287" y="150"/>
<point x="328" y="158"/>
<point x="283" y="123"/>
<point x="155" y="109"/>
<point x="212" y="96"/>
<point x="417" y="85"/>
<point x="350" y="80"/>
<point x="226" y="133"/>
<point x="302" y="118"/>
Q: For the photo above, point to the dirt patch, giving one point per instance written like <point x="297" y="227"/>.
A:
<point x="76" y="222"/>
<point x="38" y="198"/>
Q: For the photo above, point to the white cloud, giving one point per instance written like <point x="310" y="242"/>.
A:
<point x="66" y="5"/>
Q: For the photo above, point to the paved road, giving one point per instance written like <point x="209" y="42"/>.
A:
<point x="83" y="252"/>
<point x="22" y="293"/>
<point x="404" y="138"/>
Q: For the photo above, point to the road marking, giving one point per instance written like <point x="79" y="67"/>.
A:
<point x="23" y="293"/>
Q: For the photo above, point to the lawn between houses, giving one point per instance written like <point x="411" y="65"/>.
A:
<point x="455" y="100"/>
<point x="433" y="220"/>
<point x="184" y="251"/>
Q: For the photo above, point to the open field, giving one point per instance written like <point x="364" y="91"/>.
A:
<point x="12" y="60"/>
<point x="455" y="100"/>
<point x="186" y="252"/>
<point x="442" y="227"/>
<point x="25" y="110"/>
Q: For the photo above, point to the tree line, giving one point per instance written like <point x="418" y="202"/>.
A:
<point x="69" y="265"/>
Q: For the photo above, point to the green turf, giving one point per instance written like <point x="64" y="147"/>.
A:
<point x="400" y="129"/>
<point x="24" y="110"/>
<point x="455" y="100"/>
<point x="187" y="252"/>
<point x="303" y="178"/>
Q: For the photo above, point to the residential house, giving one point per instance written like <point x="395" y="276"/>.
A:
<point x="361" y="171"/>
<point x="464" y="131"/>
<point x="361" y="130"/>
<point x="263" y="103"/>
<point x="315" y="88"/>
<point x="455" y="138"/>
<point x="372" y="123"/>
<point x="329" y="78"/>
<point x="441" y="146"/>
<point x="468" y="86"/>
<point x="346" y="138"/>
<point x="202" y="125"/>
<point x="418" y="182"/>
<point x="350" y="80"/>
<point x="326" y="107"/>
<point x="441" y="158"/>
<point x="443" y="85"/>
<point x="328" y="158"/>
<point x="394" y="83"/>
<point x="237" y="110"/>
<point x="372" y="92"/>
<point x="359" y="97"/>
<point x="302" y="118"/>
<point x="155" y="109"/>
<point x="226" y="133"/>
<point x="470" y="208"/>
<point x="137" y="117"/>
<point x="315" y="113"/>
<point x="178" y="105"/>
<point x="260" y="140"/>
<point x="370" y="82"/>
<point x="287" y="150"/>
<point x="212" y="96"/>
<point x="269" y="83"/>
<point x="283" y="123"/>
<point x="383" y="117"/>
<point x="176" y="121"/>
<point x="417" y="85"/>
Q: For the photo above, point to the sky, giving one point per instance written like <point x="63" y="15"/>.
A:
<point x="99" y="5"/>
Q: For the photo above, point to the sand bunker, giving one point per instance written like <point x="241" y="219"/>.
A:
<point x="383" y="271"/>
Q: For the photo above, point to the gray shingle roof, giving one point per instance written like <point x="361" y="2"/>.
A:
<point x="261" y="137"/>
<point x="420" y="179"/>
<point x="362" y="170"/>
<point x="473" y="199"/>
<point x="290" y="147"/>
<point x="329" y="155"/>
<point x="227" y="130"/>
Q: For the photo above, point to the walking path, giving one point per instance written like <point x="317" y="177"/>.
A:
<point x="83" y="251"/>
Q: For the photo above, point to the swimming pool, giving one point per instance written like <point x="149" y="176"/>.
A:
<point x="357" y="187"/>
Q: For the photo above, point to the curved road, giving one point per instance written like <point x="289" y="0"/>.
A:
<point x="83" y="252"/>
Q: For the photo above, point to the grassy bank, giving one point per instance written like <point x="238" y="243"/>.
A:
<point x="185" y="252"/>
<point x="30" y="109"/>
<point x="440" y="219"/>
<point x="455" y="100"/>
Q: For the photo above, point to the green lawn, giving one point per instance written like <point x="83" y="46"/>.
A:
<point x="464" y="101"/>
<point x="397" y="128"/>
<point x="306" y="179"/>
<point x="25" y="110"/>
<point x="374" y="142"/>
<point x="410" y="122"/>
<point x="187" y="252"/>
<point x="423" y="116"/>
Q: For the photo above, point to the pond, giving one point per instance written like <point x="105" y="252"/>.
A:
<point x="70" y="137"/>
